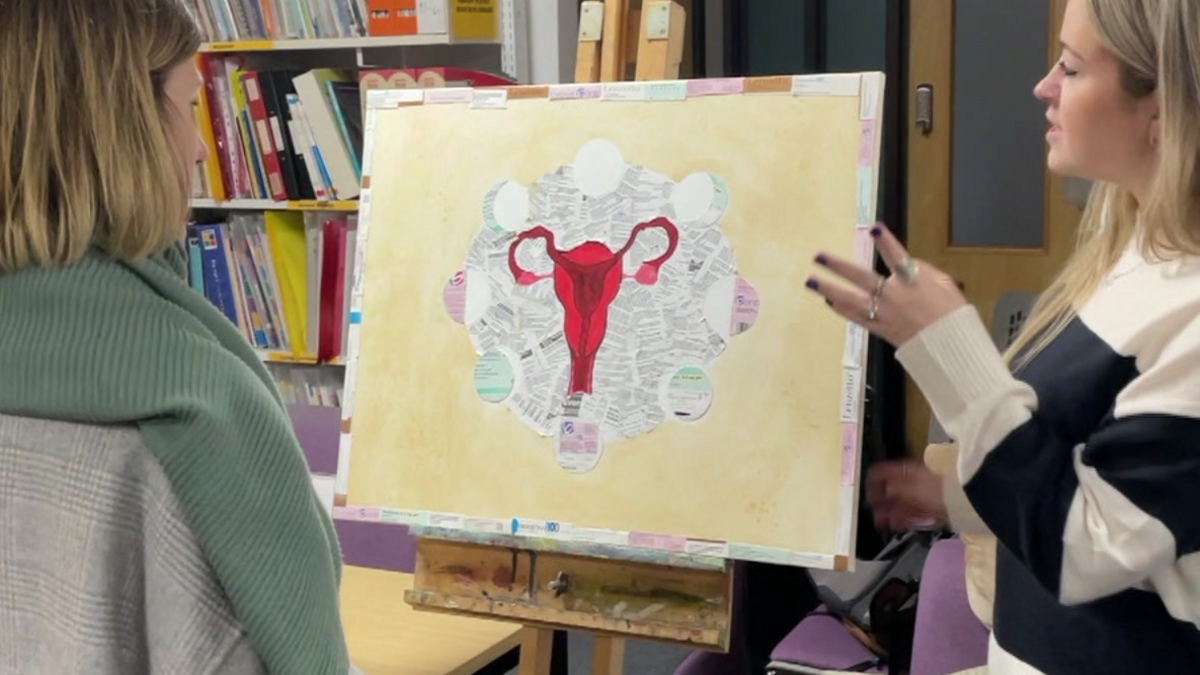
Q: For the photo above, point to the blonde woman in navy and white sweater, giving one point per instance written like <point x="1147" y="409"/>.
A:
<point x="1080" y="449"/>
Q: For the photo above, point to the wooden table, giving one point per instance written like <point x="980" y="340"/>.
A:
<point x="387" y="637"/>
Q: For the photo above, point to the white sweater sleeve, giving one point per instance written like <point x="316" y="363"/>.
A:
<point x="1089" y="519"/>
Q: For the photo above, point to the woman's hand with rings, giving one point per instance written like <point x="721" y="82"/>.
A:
<point x="895" y="307"/>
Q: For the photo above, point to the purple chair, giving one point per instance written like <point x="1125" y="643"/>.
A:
<point x="821" y="642"/>
<point x="375" y="545"/>
<point x="948" y="637"/>
<point x="318" y="429"/>
<point x="712" y="663"/>
<point x="819" y="635"/>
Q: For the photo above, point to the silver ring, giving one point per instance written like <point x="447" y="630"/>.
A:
<point x="879" y="287"/>
<point x="906" y="270"/>
<point x="873" y="309"/>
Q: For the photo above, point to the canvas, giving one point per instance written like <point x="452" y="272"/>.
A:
<point x="579" y="314"/>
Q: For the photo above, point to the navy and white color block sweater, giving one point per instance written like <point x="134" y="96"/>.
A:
<point x="1086" y="467"/>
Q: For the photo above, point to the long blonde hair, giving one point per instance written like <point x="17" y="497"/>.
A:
<point x="1156" y="43"/>
<point x="85" y="150"/>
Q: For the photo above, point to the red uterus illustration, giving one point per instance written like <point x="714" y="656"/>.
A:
<point x="587" y="279"/>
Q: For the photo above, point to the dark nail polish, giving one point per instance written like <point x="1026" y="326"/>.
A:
<point x="812" y="284"/>
<point x="822" y="259"/>
<point x="828" y="302"/>
<point x="876" y="231"/>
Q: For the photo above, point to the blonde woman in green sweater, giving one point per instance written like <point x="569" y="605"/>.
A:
<point x="156" y="514"/>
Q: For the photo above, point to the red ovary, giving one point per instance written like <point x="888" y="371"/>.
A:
<point x="587" y="279"/>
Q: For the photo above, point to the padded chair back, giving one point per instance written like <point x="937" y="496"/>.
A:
<point x="948" y="637"/>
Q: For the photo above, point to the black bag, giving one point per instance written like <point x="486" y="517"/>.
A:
<point x="878" y="601"/>
<point x="893" y="622"/>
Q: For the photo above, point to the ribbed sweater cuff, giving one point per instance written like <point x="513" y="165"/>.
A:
<point x="955" y="363"/>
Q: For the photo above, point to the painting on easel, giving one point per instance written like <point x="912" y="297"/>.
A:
<point x="597" y="298"/>
<point x="579" y="314"/>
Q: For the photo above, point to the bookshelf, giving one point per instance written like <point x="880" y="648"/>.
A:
<point x="269" y="356"/>
<point x="338" y="26"/>
<point x="281" y="232"/>
<point x="336" y="44"/>
<point x="204" y="203"/>
<point x="273" y="220"/>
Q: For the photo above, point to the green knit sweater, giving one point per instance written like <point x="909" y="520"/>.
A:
<point x="103" y="342"/>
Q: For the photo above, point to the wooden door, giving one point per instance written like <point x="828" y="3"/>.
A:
<point x="947" y="50"/>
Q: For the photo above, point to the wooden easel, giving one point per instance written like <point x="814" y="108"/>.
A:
<point x="613" y="34"/>
<point x="545" y="585"/>
<point x="612" y="593"/>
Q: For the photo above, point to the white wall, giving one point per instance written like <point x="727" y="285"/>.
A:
<point x="553" y="28"/>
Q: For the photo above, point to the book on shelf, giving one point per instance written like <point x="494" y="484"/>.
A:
<point x="307" y="386"/>
<point x="323" y="119"/>
<point x="279" y="134"/>
<point x="246" y="20"/>
<point x="230" y="20"/>
<point x="282" y="277"/>
<point x="295" y="135"/>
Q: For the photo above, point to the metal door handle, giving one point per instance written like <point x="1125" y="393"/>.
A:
<point x="925" y="108"/>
